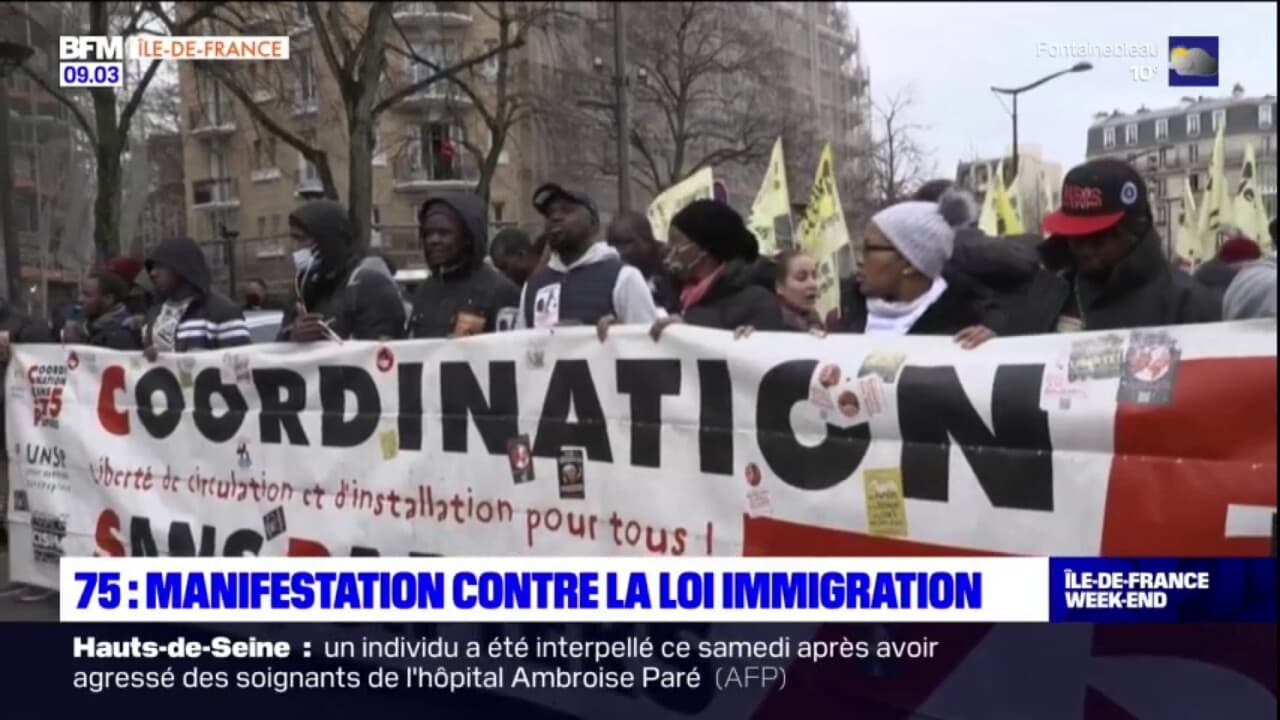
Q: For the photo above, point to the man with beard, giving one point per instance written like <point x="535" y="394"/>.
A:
<point x="464" y="295"/>
<point x="107" y="323"/>
<point x="189" y="315"/>
<point x="584" y="282"/>
<point x="1115" y="275"/>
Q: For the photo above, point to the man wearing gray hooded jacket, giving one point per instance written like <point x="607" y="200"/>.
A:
<point x="464" y="295"/>
<point x="341" y="293"/>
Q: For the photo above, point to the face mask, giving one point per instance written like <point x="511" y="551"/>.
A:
<point x="303" y="258"/>
<point x="679" y="264"/>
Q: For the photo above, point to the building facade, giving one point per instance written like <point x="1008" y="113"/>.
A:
<point x="1172" y="148"/>
<point x="1039" y="182"/>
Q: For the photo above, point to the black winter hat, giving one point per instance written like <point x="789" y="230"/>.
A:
<point x="718" y="229"/>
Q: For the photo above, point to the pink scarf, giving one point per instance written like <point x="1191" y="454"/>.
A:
<point x="694" y="293"/>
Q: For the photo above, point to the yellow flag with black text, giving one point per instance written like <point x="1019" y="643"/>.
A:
<point x="1189" y="247"/>
<point x="989" y="220"/>
<point x="1010" y="218"/>
<point x="771" y="211"/>
<point x="1215" y="207"/>
<point x="698" y="186"/>
<point x="1248" y="212"/>
<point x="823" y="231"/>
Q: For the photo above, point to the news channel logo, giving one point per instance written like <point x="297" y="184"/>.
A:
<point x="1193" y="60"/>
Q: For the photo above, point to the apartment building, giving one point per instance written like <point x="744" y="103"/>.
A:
<point x="244" y="181"/>
<point x="1173" y="147"/>
<point x="1039" y="181"/>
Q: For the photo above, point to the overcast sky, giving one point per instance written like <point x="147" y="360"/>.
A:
<point x="951" y="54"/>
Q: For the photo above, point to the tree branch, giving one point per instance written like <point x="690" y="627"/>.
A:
<point x="438" y="75"/>
<point x="326" y="47"/>
<point x="66" y="100"/>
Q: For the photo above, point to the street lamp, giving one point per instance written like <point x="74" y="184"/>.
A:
<point x="621" y="102"/>
<point x="12" y="56"/>
<point x="1014" y="92"/>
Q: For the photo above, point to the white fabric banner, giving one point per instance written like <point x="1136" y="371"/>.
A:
<point x="541" y="443"/>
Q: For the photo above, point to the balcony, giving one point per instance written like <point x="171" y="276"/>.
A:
<point x="414" y="173"/>
<point x="437" y="96"/>
<point x="307" y="184"/>
<point x="450" y="15"/>
<point x="214" y="194"/>
<point x="211" y="121"/>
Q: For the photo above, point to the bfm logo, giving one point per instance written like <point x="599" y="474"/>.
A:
<point x="90" y="47"/>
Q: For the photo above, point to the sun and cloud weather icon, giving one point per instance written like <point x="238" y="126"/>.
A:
<point x="1193" y="60"/>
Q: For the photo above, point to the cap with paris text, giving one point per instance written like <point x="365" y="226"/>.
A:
<point x="1096" y="196"/>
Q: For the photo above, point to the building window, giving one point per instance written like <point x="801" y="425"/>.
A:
<point x="1160" y="215"/>
<point x="1162" y="128"/>
<point x="1193" y="153"/>
<point x="262" y="226"/>
<point x="1194" y="180"/>
<point x="497" y="211"/>
<point x="1219" y="119"/>
<point x="1266" y="145"/>
<point x="377" y="217"/>
<point x="1193" y="124"/>
<point x="264" y="153"/>
<point x="1152" y="162"/>
<point x="275" y="224"/>
<point x="1264" y="115"/>
<point x="1131" y="134"/>
<point x="306" y="86"/>
<point x="1108" y="137"/>
<point x="1164" y="157"/>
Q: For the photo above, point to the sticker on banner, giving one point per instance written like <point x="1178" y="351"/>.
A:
<point x="186" y="366"/>
<point x="1057" y="392"/>
<point x="886" y="502"/>
<point x="73" y="360"/>
<point x="1098" y="358"/>
<point x="390" y="444"/>
<point x="757" y="497"/>
<point x="20" y="502"/>
<point x="572" y="470"/>
<point x="546" y="306"/>
<point x="1150" y="369"/>
<point x="883" y="365"/>
<point x="243" y="374"/>
<point x="845" y="401"/>
<point x="273" y="524"/>
<point x="385" y="359"/>
<point x="243" y="458"/>
<point x="228" y="369"/>
<point x="47" y="534"/>
<point x="520" y="458"/>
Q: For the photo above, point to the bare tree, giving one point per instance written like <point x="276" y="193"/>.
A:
<point x="705" y="89"/>
<point x="354" y="44"/>
<point x="113" y="112"/>
<point x="899" y="159"/>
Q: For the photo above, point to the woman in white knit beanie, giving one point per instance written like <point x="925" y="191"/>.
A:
<point x="899" y="279"/>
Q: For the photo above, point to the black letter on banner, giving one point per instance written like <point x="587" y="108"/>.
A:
<point x="461" y="395"/>
<point x="182" y="544"/>
<point x="715" y="422"/>
<point x="410" y="420"/>
<point x="646" y="381"/>
<point x="335" y="383"/>
<point x="279" y="413"/>
<point x="218" y="430"/>
<point x="242" y="542"/>
<point x="141" y="542"/>
<point x="805" y="468"/>
<point x="1014" y="465"/>
<point x="159" y="424"/>
<point x="571" y="386"/>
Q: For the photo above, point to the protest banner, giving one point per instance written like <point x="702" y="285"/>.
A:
<point x="771" y="210"/>
<point x="1098" y="444"/>
<point x="698" y="186"/>
<point x="823" y="231"/>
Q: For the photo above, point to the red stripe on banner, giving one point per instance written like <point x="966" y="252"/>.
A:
<point x="768" y="537"/>
<point x="1178" y="467"/>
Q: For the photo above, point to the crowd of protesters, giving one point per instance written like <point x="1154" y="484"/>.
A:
<point x="923" y="268"/>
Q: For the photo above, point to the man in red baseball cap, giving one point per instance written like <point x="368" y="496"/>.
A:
<point x="1114" y="271"/>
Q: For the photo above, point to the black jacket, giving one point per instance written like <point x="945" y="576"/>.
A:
<point x="356" y="295"/>
<point x="1216" y="275"/>
<point x="212" y="320"/>
<point x="735" y="299"/>
<point x="22" y="329"/>
<point x="475" y="287"/>
<point x="113" y="330"/>
<point x="956" y="309"/>
<point x="1142" y="291"/>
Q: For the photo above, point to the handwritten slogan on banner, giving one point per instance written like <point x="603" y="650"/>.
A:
<point x="1134" y="443"/>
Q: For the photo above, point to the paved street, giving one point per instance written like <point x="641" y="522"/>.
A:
<point x="13" y="611"/>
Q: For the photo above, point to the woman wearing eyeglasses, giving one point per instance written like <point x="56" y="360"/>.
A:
<point x="899" y="288"/>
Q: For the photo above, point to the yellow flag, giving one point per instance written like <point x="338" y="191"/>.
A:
<point x="989" y="220"/>
<point x="697" y="186"/>
<point x="1215" y="210"/>
<point x="1189" y="246"/>
<point x="1249" y="214"/>
<point x="1010" y="219"/>
<point x="772" y="203"/>
<point x="823" y="231"/>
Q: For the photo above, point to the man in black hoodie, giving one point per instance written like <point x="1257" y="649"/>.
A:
<point x="189" y="314"/>
<point x="341" y="293"/>
<point x="464" y="295"/>
<point x="1115" y="274"/>
<point x="107" y="321"/>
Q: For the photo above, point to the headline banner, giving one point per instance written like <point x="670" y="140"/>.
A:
<point x="1144" y="443"/>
